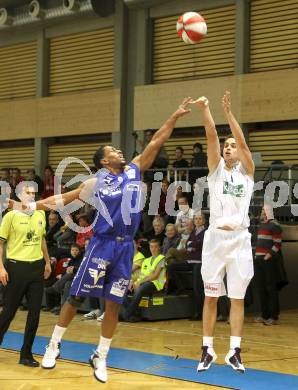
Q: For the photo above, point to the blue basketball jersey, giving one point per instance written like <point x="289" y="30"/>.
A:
<point x="118" y="200"/>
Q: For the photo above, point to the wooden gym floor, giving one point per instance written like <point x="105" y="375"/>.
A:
<point x="269" y="348"/>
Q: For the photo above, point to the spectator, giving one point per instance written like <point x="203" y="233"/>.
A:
<point x="199" y="160"/>
<point x="174" y="253"/>
<point x="81" y="237"/>
<point x="163" y="198"/>
<point x="15" y="179"/>
<point x="158" y="233"/>
<point x="48" y="182"/>
<point x="190" y="259"/>
<point x="180" y="162"/>
<point x="4" y="175"/>
<point x="268" y="264"/>
<point x="172" y="238"/>
<point x="65" y="237"/>
<point x="54" y="225"/>
<point x="184" y="214"/>
<point x="33" y="177"/>
<point x="151" y="280"/>
<point x="62" y="285"/>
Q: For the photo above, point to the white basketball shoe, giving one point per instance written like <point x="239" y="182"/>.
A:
<point x="51" y="355"/>
<point x="100" y="367"/>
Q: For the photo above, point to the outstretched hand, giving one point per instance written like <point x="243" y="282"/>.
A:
<point x="182" y="109"/>
<point x="201" y="102"/>
<point x="226" y="102"/>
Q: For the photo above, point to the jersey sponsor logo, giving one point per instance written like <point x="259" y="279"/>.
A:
<point x="235" y="190"/>
<point x="96" y="274"/>
<point x="31" y="238"/>
<point x="119" y="288"/>
<point x="131" y="173"/>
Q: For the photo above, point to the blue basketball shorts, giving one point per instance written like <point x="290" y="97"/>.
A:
<point x="105" y="270"/>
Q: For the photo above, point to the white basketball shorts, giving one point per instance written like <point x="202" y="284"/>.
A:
<point x="227" y="252"/>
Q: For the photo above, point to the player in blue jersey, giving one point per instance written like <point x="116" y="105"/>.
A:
<point x="106" y="268"/>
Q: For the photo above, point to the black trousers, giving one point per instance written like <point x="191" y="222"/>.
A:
<point x="25" y="279"/>
<point x="266" y="282"/>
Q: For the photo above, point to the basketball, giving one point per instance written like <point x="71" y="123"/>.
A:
<point x="191" y="27"/>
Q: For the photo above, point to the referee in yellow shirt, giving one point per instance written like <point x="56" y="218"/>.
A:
<point x="27" y="264"/>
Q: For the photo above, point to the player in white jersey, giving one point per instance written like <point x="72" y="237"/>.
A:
<point x="227" y="244"/>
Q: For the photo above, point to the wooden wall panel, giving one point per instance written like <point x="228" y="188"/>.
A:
<point x="258" y="97"/>
<point x="83" y="113"/>
<point x="83" y="151"/>
<point x="275" y="145"/>
<point x="82" y="61"/>
<point x="273" y="34"/>
<point x="18" y="70"/>
<point x="21" y="157"/>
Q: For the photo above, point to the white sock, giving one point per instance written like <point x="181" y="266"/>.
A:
<point x="235" y="342"/>
<point x="58" y="333"/>
<point x="103" y="347"/>
<point x="208" y="341"/>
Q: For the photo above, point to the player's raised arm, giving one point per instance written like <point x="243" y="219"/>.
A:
<point x="146" y="158"/>
<point x="213" y="147"/>
<point x="244" y="154"/>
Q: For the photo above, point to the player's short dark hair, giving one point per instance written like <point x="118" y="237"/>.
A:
<point x="98" y="156"/>
<point x="155" y="241"/>
<point x="228" y="137"/>
<point x="180" y="148"/>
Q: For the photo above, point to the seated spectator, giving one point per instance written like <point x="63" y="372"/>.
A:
<point x="199" y="160"/>
<point x="190" y="259"/>
<point x="54" y="224"/>
<point x="62" y="285"/>
<point x="180" y="162"/>
<point x="65" y="237"/>
<point x="177" y="254"/>
<point x="152" y="279"/>
<point x="172" y="238"/>
<point x="184" y="214"/>
<point x="158" y="233"/>
<point x="48" y="182"/>
<point x="33" y="177"/>
<point x="81" y="237"/>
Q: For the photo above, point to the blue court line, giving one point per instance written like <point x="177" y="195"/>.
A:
<point x="163" y="366"/>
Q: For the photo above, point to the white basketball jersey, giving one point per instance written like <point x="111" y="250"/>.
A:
<point x="230" y="194"/>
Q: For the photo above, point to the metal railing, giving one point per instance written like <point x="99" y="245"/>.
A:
<point x="266" y="173"/>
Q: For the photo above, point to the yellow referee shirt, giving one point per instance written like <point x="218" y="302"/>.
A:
<point x="23" y="234"/>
